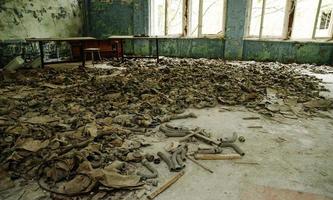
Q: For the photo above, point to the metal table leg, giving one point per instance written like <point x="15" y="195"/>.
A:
<point x="157" y="53"/>
<point x="122" y="50"/>
<point x="82" y="55"/>
<point x="41" y="49"/>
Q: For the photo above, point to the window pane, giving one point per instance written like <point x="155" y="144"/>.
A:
<point x="194" y="18"/>
<point x="255" y="17"/>
<point x="212" y="16"/>
<point x="325" y="19"/>
<point x="175" y="17"/>
<point x="304" y="19"/>
<point x="157" y="17"/>
<point x="274" y="18"/>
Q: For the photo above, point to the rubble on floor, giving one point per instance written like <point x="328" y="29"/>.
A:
<point x="82" y="131"/>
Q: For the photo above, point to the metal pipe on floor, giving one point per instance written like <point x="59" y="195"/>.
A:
<point x="177" y="165"/>
<point x="166" y="160"/>
<point x="234" y="146"/>
<point x="180" y="161"/>
<point x="154" y="173"/>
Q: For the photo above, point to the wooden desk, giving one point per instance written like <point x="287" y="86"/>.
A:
<point x="108" y="48"/>
<point x="131" y="37"/>
<point x="41" y="41"/>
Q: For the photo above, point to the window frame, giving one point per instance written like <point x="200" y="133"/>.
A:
<point x="200" y="20"/>
<point x="186" y="20"/>
<point x="330" y="31"/>
<point x="287" y="27"/>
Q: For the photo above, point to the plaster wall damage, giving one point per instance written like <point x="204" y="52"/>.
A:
<point x="26" y="18"/>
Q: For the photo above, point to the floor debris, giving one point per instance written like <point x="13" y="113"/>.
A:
<point x="80" y="131"/>
<point x="255" y="127"/>
<point x="199" y="164"/>
<point x="251" y="118"/>
<point x="217" y="156"/>
<point x="166" y="185"/>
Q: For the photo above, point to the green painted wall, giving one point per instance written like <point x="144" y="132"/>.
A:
<point x="113" y="17"/>
<point x="131" y="17"/>
<point x="182" y="47"/>
<point x="39" y="18"/>
<point x="305" y="52"/>
<point x="64" y="18"/>
<point x="22" y="19"/>
<point x="234" y="32"/>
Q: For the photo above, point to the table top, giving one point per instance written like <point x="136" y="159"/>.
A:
<point x="60" y="39"/>
<point x="140" y="37"/>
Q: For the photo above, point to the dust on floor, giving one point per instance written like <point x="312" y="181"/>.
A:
<point x="89" y="132"/>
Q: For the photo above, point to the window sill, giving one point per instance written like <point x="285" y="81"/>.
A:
<point x="204" y="37"/>
<point x="290" y="40"/>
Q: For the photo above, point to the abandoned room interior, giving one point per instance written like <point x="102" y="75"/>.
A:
<point x="166" y="99"/>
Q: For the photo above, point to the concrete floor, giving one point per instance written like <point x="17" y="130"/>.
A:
<point x="294" y="158"/>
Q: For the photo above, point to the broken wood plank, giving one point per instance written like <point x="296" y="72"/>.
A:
<point x="246" y="162"/>
<point x="166" y="185"/>
<point x="199" y="164"/>
<point x="206" y="139"/>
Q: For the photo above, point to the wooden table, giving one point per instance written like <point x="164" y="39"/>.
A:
<point x="131" y="37"/>
<point x="41" y="41"/>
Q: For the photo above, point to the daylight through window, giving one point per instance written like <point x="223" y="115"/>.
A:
<point x="194" y="18"/>
<point x="295" y="19"/>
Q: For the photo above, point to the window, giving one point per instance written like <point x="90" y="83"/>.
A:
<point x="212" y="17"/>
<point x="166" y="17"/>
<point x="255" y="19"/>
<point x="206" y="17"/>
<point x="193" y="18"/>
<point x="268" y="18"/>
<point x="304" y="21"/>
<point x="296" y="19"/>
<point x="310" y="14"/>
<point x="274" y="18"/>
<point x="157" y="22"/>
<point x="174" y="17"/>
<point x="324" y="20"/>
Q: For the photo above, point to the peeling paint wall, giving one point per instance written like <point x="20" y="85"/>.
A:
<point x="22" y="19"/>
<point x="116" y="17"/>
<point x="287" y="52"/>
<point x="131" y="17"/>
<point x="39" y="18"/>
<point x="63" y="18"/>
<point x="110" y="17"/>
<point x="234" y="32"/>
<point x="181" y="47"/>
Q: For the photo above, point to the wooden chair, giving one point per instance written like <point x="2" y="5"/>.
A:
<point x="92" y="51"/>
